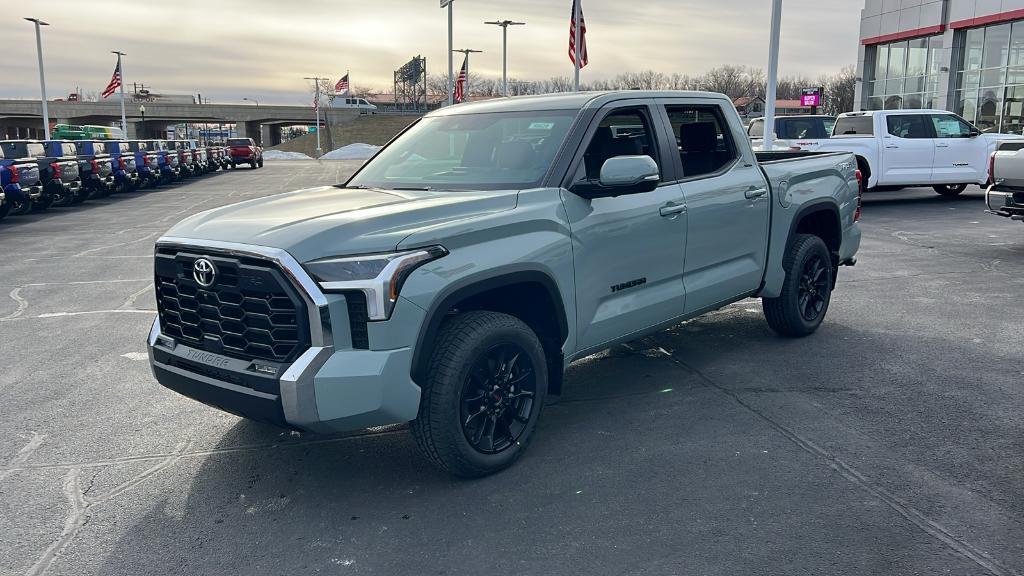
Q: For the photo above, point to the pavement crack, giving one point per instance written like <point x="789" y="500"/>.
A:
<point x="34" y="442"/>
<point x="927" y="525"/>
<point x="22" y="304"/>
<point x="81" y="506"/>
<point x="131" y="299"/>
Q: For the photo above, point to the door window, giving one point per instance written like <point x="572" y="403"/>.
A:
<point x="949" y="126"/>
<point x="908" y="126"/>
<point x="704" y="141"/>
<point x="624" y="132"/>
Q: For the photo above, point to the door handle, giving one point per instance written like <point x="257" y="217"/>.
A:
<point x="755" y="193"/>
<point x="891" y="146"/>
<point x="672" y="210"/>
<point x="942" y="145"/>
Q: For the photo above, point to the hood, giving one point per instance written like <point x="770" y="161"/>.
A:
<point x="331" y="221"/>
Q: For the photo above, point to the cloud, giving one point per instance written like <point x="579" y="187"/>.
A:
<point x="228" y="49"/>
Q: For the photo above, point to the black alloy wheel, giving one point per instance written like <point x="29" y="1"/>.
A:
<point x="814" y="288"/>
<point x="497" y="398"/>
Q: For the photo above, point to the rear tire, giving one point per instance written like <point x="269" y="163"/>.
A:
<point x="260" y="162"/>
<point x="950" y="190"/>
<point x="43" y="205"/>
<point x="21" y="207"/>
<point x="807" y="290"/>
<point x="483" y="394"/>
<point x="5" y="209"/>
<point x="63" y="200"/>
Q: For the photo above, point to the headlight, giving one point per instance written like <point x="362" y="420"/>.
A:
<point x="379" y="276"/>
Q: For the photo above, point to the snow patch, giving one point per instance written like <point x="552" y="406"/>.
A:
<point x="352" y="152"/>
<point x="282" y="155"/>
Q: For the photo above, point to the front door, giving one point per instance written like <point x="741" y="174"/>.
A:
<point x="728" y="204"/>
<point x="627" y="250"/>
<point x="960" y="157"/>
<point x="908" y="150"/>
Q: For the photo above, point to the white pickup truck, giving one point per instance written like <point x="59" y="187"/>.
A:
<point x="900" y="148"/>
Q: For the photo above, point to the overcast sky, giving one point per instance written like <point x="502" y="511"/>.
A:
<point x="229" y="49"/>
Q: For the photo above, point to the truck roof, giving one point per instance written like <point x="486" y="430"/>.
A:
<point x="568" y="101"/>
<point x="894" y="112"/>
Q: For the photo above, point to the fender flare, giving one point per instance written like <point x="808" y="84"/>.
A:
<point x="471" y="286"/>
<point x="813" y="207"/>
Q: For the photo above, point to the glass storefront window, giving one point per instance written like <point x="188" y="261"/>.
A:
<point x="917" y="56"/>
<point x="903" y="74"/>
<point x="897" y="60"/>
<point x="990" y="77"/>
<point x="973" y="46"/>
<point x="997" y="45"/>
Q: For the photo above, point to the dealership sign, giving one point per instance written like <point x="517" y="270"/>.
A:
<point x="811" y="96"/>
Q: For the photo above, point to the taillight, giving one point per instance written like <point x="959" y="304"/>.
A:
<point x="992" y="168"/>
<point x="15" y="174"/>
<point x="95" y="166"/>
<point x="122" y="163"/>
<point x="56" y="170"/>
<point x="860" y="195"/>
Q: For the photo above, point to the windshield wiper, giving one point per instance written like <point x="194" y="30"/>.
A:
<point x="414" y="188"/>
<point x="355" y="187"/>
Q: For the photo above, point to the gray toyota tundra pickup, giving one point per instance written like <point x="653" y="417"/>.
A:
<point x="453" y="278"/>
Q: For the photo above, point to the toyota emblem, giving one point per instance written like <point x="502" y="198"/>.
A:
<point x="204" y="272"/>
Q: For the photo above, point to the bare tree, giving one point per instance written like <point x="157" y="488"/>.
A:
<point x="840" y="91"/>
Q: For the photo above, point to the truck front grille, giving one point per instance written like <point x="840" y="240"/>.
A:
<point x="250" y="311"/>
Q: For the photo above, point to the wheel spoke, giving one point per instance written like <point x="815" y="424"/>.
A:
<point x="473" y="416"/>
<point x="521" y="394"/>
<point x="522" y="376"/>
<point x="488" y="437"/>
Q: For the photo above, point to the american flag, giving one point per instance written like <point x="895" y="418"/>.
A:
<point x="115" y="82"/>
<point x="583" y="36"/>
<point x="316" y="100"/>
<point x="460" y="82"/>
<point x="342" y="85"/>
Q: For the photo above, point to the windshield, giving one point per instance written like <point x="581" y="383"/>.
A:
<point x="496" y="151"/>
<point x="238" y="141"/>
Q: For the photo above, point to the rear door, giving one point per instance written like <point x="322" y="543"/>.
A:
<point x="908" y="151"/>
<point x="727" y="203"/>
<point x="628" y="250"/>
<point x="960" y="157"/>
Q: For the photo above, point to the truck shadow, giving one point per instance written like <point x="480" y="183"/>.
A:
<point x="655" y="408"/>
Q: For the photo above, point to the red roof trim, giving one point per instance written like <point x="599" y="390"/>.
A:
<point x="906" y="34"/>
<point x="990" y="19"/>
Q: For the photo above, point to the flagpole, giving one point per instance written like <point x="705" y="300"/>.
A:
<point x="576" y="45"/>
<point x="451" y="70"/>
<point x="120" y="71"/>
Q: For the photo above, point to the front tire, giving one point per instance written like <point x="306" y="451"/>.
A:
<point x="483" y="394"/>
<point x="950" y="190"/>
<point x="807" y="290"/>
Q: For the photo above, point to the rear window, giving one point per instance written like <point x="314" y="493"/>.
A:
<point x="68" y="150"/>
<point x="854" y="125"/>
<point x="99" y="148"/>
<point x="238" y="142"/>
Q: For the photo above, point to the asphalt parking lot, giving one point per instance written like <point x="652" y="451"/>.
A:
<point x="890" y="442"/>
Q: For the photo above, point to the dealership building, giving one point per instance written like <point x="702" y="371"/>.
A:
<point x="961" y="55"/>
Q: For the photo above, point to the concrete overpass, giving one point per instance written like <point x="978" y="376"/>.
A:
<point x="23" y="118"/>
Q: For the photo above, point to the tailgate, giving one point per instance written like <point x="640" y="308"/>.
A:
<point x="1008" y="169"/>
<point x="68" y="170"/>
<point x="28" y="174"/>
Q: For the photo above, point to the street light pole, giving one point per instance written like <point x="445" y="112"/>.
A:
<point x="120" y="72"/>
<point x="42" y="74"/>
<point x="142" y="110"/>
<point x="316" y="79"/>
<point x="504" y="50"/>
<point x="773" y="77"/>
<point x="467" y="52"/>
<point x="451" y="70"/>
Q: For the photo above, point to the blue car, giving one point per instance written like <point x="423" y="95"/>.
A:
<point x="148" y="161"/>
<point x="20" y="177"/>
<point x="124" y="163"/>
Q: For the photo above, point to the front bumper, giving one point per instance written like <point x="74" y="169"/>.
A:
<point x="1005" y="203"/>
<point x="330" y="387"/>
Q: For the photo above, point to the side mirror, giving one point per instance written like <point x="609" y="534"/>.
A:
<point x="974" y="134"/>
<point x="630" y="172"/>
<point x="622" y="175"/>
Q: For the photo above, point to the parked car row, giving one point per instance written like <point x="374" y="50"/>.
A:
<point x="36" y="175"/>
